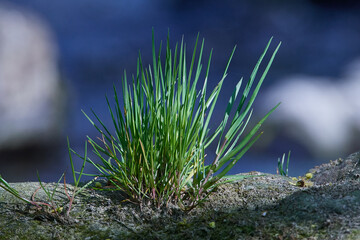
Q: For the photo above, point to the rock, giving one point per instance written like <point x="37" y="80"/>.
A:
<point x="31" y="97"/>
<point x="263" y="206"/>
<point x="338" y="170"/>
<point x="321" y="114"/>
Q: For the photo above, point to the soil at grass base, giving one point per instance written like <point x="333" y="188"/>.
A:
<point x="263" y="207"/>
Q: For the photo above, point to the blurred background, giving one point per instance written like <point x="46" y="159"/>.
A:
<point x="60" y="57"/>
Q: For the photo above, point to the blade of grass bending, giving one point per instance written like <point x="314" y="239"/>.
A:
<point x="239" y="177"/>
<point x="251" y="80"/>
<point x="5" y="185"/>
<point x="242" y="126"/>
<point x="232" y="163"/>
<point x="231" y="154"/>
<point x="234" y="178"/>
<point x="252" y="99"/>
<point x="96" y="151"/>
<point x="101" y="123"/>
<point x="239" y="118"/>
<point x="86" y="185"/>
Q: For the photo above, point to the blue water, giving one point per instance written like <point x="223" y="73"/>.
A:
<point x="97" y="40"/>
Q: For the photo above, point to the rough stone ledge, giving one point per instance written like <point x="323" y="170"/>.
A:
<point x="263" y="207"/>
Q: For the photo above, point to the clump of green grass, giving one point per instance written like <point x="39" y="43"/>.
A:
<point x="157" y="150"/>
<point x="281" y="168"/>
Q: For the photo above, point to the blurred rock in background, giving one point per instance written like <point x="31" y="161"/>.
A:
<point x="322" y="114"/>
<point x="31" y="96"/>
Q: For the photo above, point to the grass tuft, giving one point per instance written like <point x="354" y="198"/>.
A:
<point x="157" y="150"/>
<point x="281" y="168"/>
